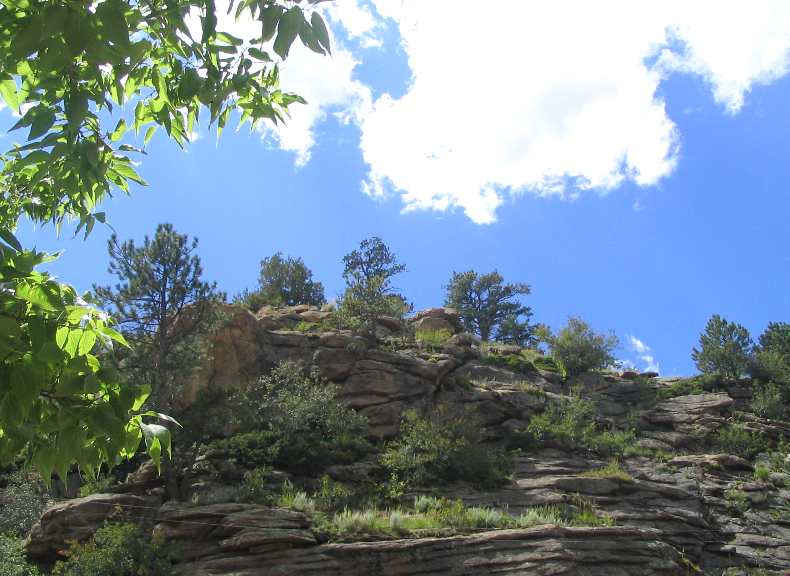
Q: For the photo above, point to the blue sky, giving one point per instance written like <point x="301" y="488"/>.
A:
<point x="636" y="178"/>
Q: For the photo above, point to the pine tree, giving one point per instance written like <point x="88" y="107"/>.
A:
<point x="162" y="305"/>
<point x="725" y="348"/>
<point x="489" y="307"/>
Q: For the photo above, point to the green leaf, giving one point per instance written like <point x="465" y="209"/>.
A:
<point x="86" y="342"/>
<point x="259" y="54"/>
<point x="62" y="336"/>
<point x="41" y="124"/>
<point x="149" y="133"/>
<point x="287" y="31"/>
<point x="119" y="131"/>
<point x="320" y="30"/>
<point x="10" y="239"/>
<point x="270" y="17"/>
<point x="9" y="93"/>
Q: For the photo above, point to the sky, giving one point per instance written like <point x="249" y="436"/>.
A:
<point x="630" y="161"/>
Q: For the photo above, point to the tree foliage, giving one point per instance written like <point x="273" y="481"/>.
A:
<point x="58" y="404"/>
<point x="73" y="68"/>
<point x="74" y="71"/>
<point x="772" y="355"/>
<point x="489" y="307"/>
<point x="579" y="348"/>
<point x="369" y="293"/>
<point x="284" y="281"/>
<point x="725" y="348"/>
<point x="162" y="306"/>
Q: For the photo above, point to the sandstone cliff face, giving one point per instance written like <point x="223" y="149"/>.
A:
<point x="673" y="516"/>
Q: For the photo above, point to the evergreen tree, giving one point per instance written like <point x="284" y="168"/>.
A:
<point x="725" y="348"/>
<point x="580" y="349"/>
<point x="162" y="305"/>
<point x="490" y="307"/>
<point x="284" y="281"/>
<point x="369" y="294"/>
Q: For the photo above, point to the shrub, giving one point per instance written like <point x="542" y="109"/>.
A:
<point x="570" y="424"/>
<point x="96" y="485"/>
<point x="680" y="388"/>
<point x="444" y="446"/>
<point x="255" y="487"/>
<point x="433" y="338"/>
<point x="12" y="558"/>
<point x="579" y="349"/>
<point x="735" y="438"/>
<point x="767" y="401"/>
<point x="512" y="362"/>
<point x="116" y="550"/>
<point x="612" y="471"/>
<point x="762" y="473"/>
<point x="736" y="501"/>
<point x="23" y="500"/>
<point x="725" y="348"/>
<point x="546" y="364"/>
<point x="296" y="499"/>
<point x="300" y="425"/>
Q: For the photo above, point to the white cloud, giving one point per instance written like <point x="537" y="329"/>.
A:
<point x="553" y="98"/>
<point x="644" y="355"/>
<point x="358" y="21"/>
<point x="325" y="82"/>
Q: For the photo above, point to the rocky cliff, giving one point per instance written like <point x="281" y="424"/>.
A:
<point x="678" y="503"/>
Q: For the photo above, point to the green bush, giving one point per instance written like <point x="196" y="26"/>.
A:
<point x="24" y="499"/>
<point x="685" y="387"/>
<point x="96" y="485"/>
<point x="768" y="402"/>
<point x="512" y="362"/>
<point x="298" y="423"/>
<point x="579" y="349"/>
<point x="725" y="348"/>
<point x="116" y="550"/>
<point x="433" y="338"/>
<point x="735" y="438"/>
<point x="444" y="447"/>
<point x="255" y="487"/>
<point x="12" y="558"/>
<point x="571" y="425"/>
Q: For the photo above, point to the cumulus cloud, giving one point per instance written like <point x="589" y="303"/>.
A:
<point x="553" y="98"/>
<point x="644" y="355"/>
<point x="325" y="82"/>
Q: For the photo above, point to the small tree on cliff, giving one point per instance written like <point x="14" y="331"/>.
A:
<point x="725" y="348"/>
<point x="579" y="348"/>
<point x="284" y="281"/>
<point x="369" y="294"/>
<point x="162" y="305"/>
<point x="490" y="307"/>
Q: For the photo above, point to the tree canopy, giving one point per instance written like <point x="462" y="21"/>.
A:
<point x="161" y="303"/>
<point x="489" y="306"/>
<point x="284" y="281"/>
<point x="82" y="75"/>
<point x="368" y="272"/>
<point x="725" y="348"/>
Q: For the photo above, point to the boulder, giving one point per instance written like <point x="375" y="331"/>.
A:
<point x="437" y="319"/>
<point x="78" y="519"/>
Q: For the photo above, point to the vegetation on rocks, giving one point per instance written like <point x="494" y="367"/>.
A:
<point x="579" y="349"/>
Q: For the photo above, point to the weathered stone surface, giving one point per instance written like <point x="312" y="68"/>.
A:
<point x="78" y="519"/>
<point x="542" y="550"/>
<point x="437" y="319"/>
<point x="712" y="461"/>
